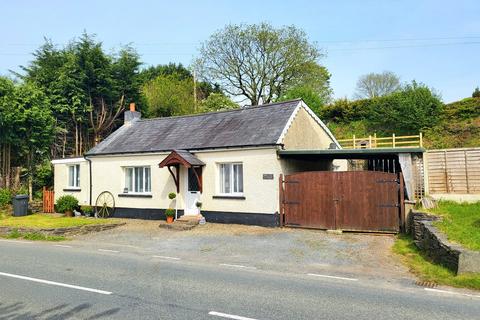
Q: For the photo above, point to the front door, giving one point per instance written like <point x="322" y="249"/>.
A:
<point x="192" y="194"/>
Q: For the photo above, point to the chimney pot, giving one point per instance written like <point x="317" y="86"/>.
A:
<point x="132" y="106"/>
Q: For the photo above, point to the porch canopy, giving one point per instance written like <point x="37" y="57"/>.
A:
<point x="182" y="157"/>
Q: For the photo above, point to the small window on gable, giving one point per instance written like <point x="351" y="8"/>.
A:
<point x="74" y="176"/>
<point x="231" y="178"/>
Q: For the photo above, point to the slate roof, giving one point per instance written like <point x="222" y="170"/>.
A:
<point x="251" y="126"/>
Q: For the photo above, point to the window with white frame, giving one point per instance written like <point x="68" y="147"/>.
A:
<point x="231" y="178"/>
<point x="74" y="176"/>
<point x="138" y="180"/>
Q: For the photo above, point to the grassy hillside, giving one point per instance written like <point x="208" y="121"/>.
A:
<point x="458" y="127"/>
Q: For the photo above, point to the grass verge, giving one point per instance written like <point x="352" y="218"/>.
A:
<point x="34" y="236"/>
<point x="460" y="222"/>
<point x="426" y="270"/>
<point x="49" y="221"/>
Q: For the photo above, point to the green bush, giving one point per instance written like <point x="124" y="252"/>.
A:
<point x="21" y="190"/>
<point x="66" y="203"/>
<point x="5" y="197"/>
<point x="87" y="210"/>
<point x="170" y="212"/>
<point x="172" y="195"/>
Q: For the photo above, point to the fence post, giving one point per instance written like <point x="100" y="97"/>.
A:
<point x="375" y="137"/>
<point x="466" y="171"/>
<point x="446" y="172"/>
<point x="280" y="199"/>
<point x="402" y="201"/>
<point x="354" y="143"/>
<point x="393" y="140"/>
<point x="370" y="141"/>
<point x="421" y="139"/>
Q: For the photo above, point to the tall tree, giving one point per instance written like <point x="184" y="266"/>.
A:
<point x="257" y="62"/>
<point x="476" y="93"/>
<point x="217" y="102"/>
<point x="374" y="85"/>
<point x="9" y="120"/>
<point x="35" y="127"/>
<point x="169" y="95"/>
<point x="87" y="90"/>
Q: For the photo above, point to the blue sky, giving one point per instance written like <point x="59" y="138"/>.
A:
<point x="435" y="42"/>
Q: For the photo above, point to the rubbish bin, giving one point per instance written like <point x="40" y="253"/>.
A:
<point x="20" y="205"/>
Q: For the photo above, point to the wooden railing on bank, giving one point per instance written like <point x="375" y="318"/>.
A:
<point x="373" y="142"/>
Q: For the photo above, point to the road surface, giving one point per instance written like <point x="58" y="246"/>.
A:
<point x="41" y="280"/>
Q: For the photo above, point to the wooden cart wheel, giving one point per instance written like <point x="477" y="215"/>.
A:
<point x="105" y="205"/>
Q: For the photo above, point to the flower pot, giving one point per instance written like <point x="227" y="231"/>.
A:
<point x="169" y="219"/>
<point x="69" y="213"/>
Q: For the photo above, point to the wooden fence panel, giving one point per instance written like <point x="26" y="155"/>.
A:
<point x="454" y="171"/>
<point x="48" y="201"/>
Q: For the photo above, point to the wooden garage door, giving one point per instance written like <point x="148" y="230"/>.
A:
<point x="356" y="200"/>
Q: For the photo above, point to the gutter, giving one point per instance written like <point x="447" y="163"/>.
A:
<point x="90" y="179"/>
<point x="192" y="150"/>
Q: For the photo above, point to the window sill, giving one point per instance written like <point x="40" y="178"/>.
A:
<point x="72" y="189"/>
<point x="135" y="195"/>
<point x="229" y="197"/>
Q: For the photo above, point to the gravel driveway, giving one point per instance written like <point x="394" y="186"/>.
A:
<point x="290" y="250"/>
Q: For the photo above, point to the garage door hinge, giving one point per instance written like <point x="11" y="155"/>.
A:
<point x="389" y="205"/>
<point x="387" y="181"/>
<point x="291" y="202"/>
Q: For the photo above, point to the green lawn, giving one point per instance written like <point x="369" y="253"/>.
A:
<point x="421" y="265"/>
<point x="461" y="222"/>
<point x="48" y="221"/>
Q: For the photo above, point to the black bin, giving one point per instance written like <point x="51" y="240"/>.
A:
<point x="20" y="205"/>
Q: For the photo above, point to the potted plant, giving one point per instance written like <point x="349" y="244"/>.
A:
<point x="172" y="196"/>
<point x="170" y="213"/>
<point x="87" y="210"/>
<point x="199" y="205"/>
<point x="66" y="204"/>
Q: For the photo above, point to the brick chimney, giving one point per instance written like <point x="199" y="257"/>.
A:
<point x="131" y="115"/>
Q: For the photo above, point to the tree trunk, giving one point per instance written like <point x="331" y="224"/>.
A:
<point x="30" y="187"/>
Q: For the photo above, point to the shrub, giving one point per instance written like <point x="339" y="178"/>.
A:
<point x="170" y="212"/>
<point x="66" y="203"/>
<point x="198" y="204"/>
<point x="21" y="190"/>
<point x="87" y="210"/>
<point x="172" y="195"/>
<point x="5" y="197"/>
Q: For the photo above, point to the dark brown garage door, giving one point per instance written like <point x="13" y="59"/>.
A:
<point x="353" y="200"/>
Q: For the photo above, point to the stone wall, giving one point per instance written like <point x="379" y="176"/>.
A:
<point x="69" y="231"/>
<point x="436" y="245"/>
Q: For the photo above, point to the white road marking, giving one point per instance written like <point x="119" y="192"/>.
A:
<point x="236" y="266"/>
<point x="16" y="241"/>
<point x="228" y="316"/>
<point x="331" y="277"/>
<point x="452" y="292"/>
<point x="62" y="246"/>
<point x="54" y="283"/>
<point x="107" y="250"/>
<point x="166" y="257"/>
